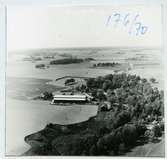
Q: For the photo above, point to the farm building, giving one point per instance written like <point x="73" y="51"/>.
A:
<point x="69" y="98"/>
<point x="106" y="106"/>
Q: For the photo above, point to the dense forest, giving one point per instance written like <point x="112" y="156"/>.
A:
<point x="143" y="101"/>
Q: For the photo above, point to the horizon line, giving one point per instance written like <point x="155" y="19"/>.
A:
<point x="83" y="47"/>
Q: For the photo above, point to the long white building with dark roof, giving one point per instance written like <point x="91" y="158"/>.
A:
<point x="69" y="98"/>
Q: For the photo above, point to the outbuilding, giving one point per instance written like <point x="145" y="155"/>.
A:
<point x="75" y="98"/>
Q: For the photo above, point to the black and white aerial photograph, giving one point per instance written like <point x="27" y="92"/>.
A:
<point x="85" y="81"/>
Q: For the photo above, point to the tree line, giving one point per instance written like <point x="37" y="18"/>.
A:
<point x="107" y="64"/>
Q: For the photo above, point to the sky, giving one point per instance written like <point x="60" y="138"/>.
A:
<point x="33" y="27"/>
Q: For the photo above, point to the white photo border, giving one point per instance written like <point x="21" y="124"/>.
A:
<point x="3" y="52"/>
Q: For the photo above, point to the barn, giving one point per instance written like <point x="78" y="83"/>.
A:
<point x="75" y="98"/>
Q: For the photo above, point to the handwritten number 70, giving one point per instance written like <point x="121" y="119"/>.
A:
<point x="141" y="29"/>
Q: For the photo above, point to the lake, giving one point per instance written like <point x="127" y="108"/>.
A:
<point x="27" y="117"/>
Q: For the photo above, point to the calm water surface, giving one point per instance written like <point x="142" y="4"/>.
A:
<point x="26" y="117"/>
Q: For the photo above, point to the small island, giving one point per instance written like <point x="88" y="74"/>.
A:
<point x="71" y="60"/>
<point x="41" y="66"/>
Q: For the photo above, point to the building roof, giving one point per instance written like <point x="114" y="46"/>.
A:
<point x="70" y="97"/>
